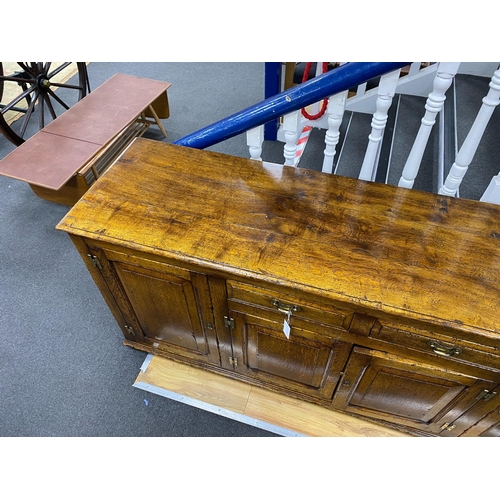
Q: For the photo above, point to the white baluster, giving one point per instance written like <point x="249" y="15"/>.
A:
<point x="291" y="124"/>
<point x="442" y="81"/>
<point x="492" y="193"/>
<point x="319" y="69"/>
<point x="255" y="139"/>
<point x="361" y="90"/>
<point x="414" y="69"/>
<point x="335" y="112"/>
<point x="386" y="91"/>
<point x="471" y="143"/>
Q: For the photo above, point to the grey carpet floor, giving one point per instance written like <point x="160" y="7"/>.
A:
<point x="63" y="368"/>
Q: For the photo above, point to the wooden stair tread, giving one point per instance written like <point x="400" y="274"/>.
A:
<point x="253" y="405"/>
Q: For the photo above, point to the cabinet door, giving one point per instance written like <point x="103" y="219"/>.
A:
<point x="406" y="392"/>
<point x="166" y="307"/>
<point x="483" y="419"/>
<point x="487" y="427"/>
<point x="306" y="363"/>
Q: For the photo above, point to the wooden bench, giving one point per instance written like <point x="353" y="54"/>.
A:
<point x="65" y="158"/>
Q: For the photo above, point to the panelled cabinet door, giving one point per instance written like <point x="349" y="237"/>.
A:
<point x="480" y="419"/>
<point x="406" y="392"/>
<point x="167" y="307"/>
<point x="493" y="431"/>
<point x="307" y="362"/>
<point x="487" y="426"/>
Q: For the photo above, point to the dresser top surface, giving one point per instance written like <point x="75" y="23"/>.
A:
<point x="384" y="248"/>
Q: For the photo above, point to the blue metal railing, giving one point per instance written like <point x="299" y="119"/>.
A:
<point x="344" y="77"/>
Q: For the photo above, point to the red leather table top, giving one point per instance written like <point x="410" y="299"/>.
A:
<point x="53" y="155"/>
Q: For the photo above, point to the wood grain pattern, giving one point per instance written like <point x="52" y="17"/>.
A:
<point x="407" y="392"/>
<point x="279" y="410"/>
<point x="204" y="255"/>
<point x="197" y="384"/>
<point x="162" y="303"/>
<point x="486" y="427"/>
<point x="310" y="419"/>
<point x="306" y="363"/>
<point x="387" y="249"/>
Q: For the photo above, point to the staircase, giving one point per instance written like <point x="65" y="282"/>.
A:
<point x="411" y="128"/>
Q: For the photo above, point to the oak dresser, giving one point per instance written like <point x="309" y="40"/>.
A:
<point x="363" y="298"/>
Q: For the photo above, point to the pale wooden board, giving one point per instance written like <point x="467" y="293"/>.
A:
<point x="308" y="418"/>
<point x="194" y="383"/>
<point x="265" y="409"/>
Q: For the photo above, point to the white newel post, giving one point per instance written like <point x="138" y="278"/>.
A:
<point x="335" y="112"/>
<point x="255" y="139"/>
<point x="291" y="123"/>
<point x="471" y="143"/>
<point x="386" y="91"/>
<point x="442" y="81"/>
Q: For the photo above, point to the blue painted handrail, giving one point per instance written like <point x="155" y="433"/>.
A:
<point x="344" y="77"/>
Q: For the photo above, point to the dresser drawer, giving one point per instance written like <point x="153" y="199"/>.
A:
<point x="282" y="304"/>
<point x="436" y="344"/>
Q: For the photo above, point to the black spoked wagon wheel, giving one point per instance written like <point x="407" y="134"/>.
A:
<point x="28" y="97"/>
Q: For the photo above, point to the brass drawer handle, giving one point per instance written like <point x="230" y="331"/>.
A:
<point x="285" y="308"/>
<point x="443" y="350"/>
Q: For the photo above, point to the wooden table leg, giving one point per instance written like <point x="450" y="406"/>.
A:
<point x="158" y="122"/>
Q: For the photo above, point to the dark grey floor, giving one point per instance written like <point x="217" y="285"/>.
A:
<point x="63" y="368"/>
